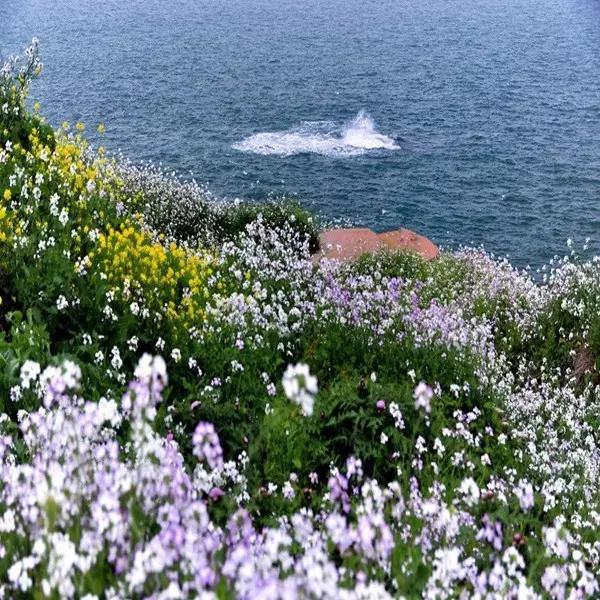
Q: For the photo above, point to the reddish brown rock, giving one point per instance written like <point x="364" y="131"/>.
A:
<point x="405" y="239"/>
<point x="348" y="244"/>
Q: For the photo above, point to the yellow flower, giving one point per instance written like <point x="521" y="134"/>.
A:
<point x="101" y="128"/>
<point x="7" y="194"/>
<point x="36" y="106"/>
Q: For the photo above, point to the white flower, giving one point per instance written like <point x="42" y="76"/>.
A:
<point x="7" y="521"/>
<point x="61" y="303"/>
<point x="116" y="361"/>
<point x="288" y="491"/>
<point x="150" y="366"/>
<point x="470" y="491"/>
<point x="557" y="539"/>
<point x="54" y="205"/>
<point x="39" y="548"/>
<point x="300" y="386"/>
<point x="423" y="395"/>
<point x="513" y="560"/>
<point x="554" y="579"/>
<point x="109" y="411"/>
<point x="63" y="217"/>
<point x="29" y="372"/>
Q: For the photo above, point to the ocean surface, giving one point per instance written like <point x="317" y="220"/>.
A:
<point x="471" y="121"/>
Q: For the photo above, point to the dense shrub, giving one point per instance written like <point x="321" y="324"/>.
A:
<point x="185" y="212"/>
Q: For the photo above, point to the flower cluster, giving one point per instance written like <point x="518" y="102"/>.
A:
<point x="153" y="281"/>
<point x="79" y="512"/>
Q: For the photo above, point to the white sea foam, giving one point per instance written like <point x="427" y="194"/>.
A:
<point x="321" y="137"/>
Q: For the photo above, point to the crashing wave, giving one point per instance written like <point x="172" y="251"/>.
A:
<point x="321" y="137"/>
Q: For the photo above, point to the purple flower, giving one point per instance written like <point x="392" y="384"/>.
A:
<point x="207" y="446"/>
<point x="338" y="490"/>
<point x="491" y="532"/>
<point x="215" y="494"/>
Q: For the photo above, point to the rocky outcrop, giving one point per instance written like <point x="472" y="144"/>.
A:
<point x="405" y="239"/>
<point x="348" y="244"/>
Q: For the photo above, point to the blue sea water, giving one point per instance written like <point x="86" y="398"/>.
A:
<point x="471" y="121"/>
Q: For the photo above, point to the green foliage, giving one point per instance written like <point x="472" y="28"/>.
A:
<point x="16" y="123"/>
<point x="27" y="338"/>
<point x="276" y="214"/>
<point x="185" y="212"/>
